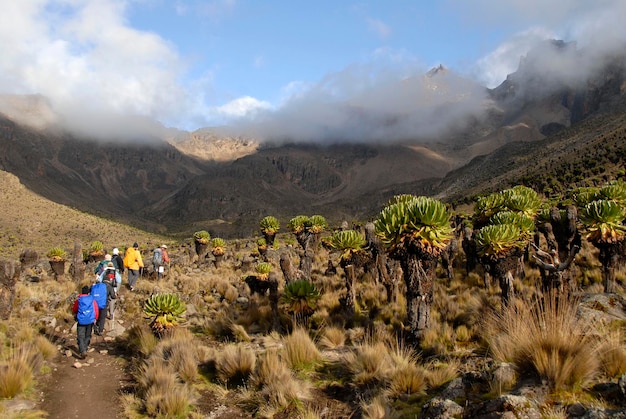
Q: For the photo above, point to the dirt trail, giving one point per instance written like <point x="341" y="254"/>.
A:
<point x="93" y="390"/>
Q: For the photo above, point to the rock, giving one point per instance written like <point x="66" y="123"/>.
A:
<point x="91" y="361"/>
<point x="622" y="386"/>
<point x="506" y="406"/>
<point x="504" y="376"/>
<point x="77" y="365"/>
<point x="16" y="405"/>
<point x="68" y="353"/>
<point x="104" y="351"/>
<point x="454" y="390"/>
<point x="439" y="408"/>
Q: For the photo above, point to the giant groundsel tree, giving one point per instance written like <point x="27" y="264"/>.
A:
<point x="415" y="230"/>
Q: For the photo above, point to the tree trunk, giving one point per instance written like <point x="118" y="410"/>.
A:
<point x="348" y="302"/>
<point x="289" y="272"/>
<point x="78" y="270"/>
<point x="219" y="258"/>
<point x="419" y="277"/>
<point x="447" y="259"/>
<point x="9" y="275"/>
<point x="609" y="258"/>
<point x="201" y="250"/>
<point x="269" y="238"/>
<point x="273" y="286"/>
<point x="58" y="268"/>
<point x="502" y="269"/>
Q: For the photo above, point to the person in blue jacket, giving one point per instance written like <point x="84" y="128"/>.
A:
<point x="86" y="312"/>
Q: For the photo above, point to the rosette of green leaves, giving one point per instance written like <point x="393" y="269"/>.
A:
<point x="522" y="221"/>
<point x="522" y="199"/>
<point x="263" y="269"/>
<point x="486" y="206"/>
<point x="614" y="191"/>
<point x="219" y="246"/>
<point x="166" y="312"/>
<point x="96" y="247"/>
<point x="604" y="221"/>
<point x="299" y="223"/>
<point x="269" y="225"/>
<point x="318" y="224"/>
<point x="422" y="220"/>
<point x="497" y="240"/>
<point x="56" y="254"/>
<point x="202" y="236"/>
<point x="348" y="242"/>
<point x="301" y="297"/>
<point x="583" y="196"/>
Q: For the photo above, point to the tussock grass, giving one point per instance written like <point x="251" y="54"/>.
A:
<point x="18" y="368"/>
<point x="370" y="364"/>
<point x="141" y="338"/>
<point x="377" y="408"/>
<point x="612" y="354"/>
<point x="169" y="402"/>
<point x="547" y="338"/>
<point x="234" y="364"/>
<point x="299" y="350"/>
<point x="408" y="377"/>
<point x="332" y="337"/>
<point x="440" y="373"/>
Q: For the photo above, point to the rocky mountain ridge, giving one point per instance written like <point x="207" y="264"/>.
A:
<point x="226" y="184"/>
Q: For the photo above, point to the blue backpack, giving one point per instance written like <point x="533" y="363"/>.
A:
<point x="99" y="293"/>
<point x="86" y="313"/>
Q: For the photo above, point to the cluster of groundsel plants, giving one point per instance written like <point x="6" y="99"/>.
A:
<point x="166" y="312"/>
<point x="422" y="220"/>
<point x="301" y="298"/>
<point x="507" y="220"/>
<point x="301" y="223"/>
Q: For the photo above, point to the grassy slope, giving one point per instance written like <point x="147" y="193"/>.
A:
<point x="29" y="221"/>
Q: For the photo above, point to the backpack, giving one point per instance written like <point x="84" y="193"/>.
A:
<point x="85" y="313"/>
<point x="99" y="293"/>
<point x="111" y="276"/>
<point x="157" y="257"/>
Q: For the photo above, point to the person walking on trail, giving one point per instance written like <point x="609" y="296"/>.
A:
<point x="159" y="259"/>
<point x="102" y="265"/>
<point x="86" y="313"/>
<point x="100" y="293"/>
<point x="133" y="262"/>
<point x="113" y="280"/>
<point x="118" y="261"/>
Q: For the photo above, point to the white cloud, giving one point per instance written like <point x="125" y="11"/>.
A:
<point x="378" y="27"/>
<point x="244" y="107"/>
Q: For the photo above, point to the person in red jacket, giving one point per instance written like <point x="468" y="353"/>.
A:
<point x="86" y="312"/>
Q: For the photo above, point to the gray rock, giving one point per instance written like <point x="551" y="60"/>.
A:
<point x="622" y="386"/>
<point x="454" y="390"/>
<point x="439" y="408"/>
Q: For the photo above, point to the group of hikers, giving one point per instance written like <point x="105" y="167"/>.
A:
<point x="96" y="303"/>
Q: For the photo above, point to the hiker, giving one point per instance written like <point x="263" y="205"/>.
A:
<point x="101" y="293"/>
<point x="118" y="262"/>
<point x="113" y="280"/>
<point x="133" y="262"/>
<point x="103" y="263"/>
<point x="86" y="313"/>
<point x="159" y="259"/>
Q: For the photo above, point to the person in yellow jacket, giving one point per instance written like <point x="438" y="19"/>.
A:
<point x="133" y="262"/>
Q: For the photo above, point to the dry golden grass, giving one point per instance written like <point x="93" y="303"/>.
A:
<point x="142" y="339"/>
<point x="234" y="364"/>
<point x="276" y="385"/>
<point x="169" y="402"/>
<point x="370" y="364"/>
<point x="440" y="373"/>
<point x="299" y="350"/>
<point x="612" y="354"/>
<point x="376" y="408"/>
<point x="547" y="338"/>
<point x="332" y="337"/>
<point x="17" y="369"/>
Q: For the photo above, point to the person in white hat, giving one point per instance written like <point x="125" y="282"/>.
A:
<point x="159" y="259"/>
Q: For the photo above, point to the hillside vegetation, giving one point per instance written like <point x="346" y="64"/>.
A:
<point x="29" y="221"/>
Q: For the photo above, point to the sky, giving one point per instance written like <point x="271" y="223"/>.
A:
<point x="278" y="68"/>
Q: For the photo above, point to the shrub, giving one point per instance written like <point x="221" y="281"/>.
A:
<point x="202" y="236"/>
<point x="165" y="310"/>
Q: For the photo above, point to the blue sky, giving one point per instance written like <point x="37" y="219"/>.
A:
<point x="194" y="63"/>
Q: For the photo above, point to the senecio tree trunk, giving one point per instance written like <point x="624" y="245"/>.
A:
<point x="419" y="276"/>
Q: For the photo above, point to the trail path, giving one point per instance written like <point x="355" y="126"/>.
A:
<point x="93" y="389"/>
